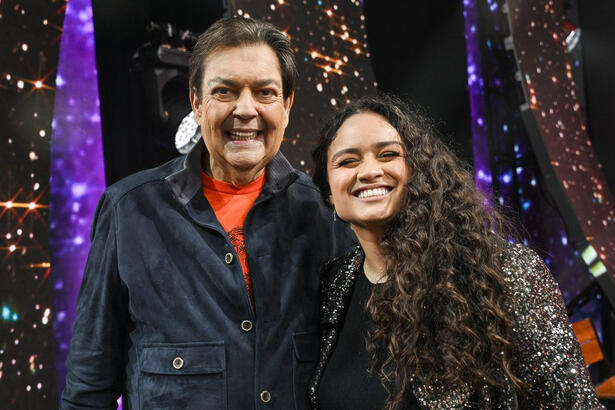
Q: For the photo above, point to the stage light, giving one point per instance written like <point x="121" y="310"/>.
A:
<point x="589" y="255"/>
<point x="188" y="134"/>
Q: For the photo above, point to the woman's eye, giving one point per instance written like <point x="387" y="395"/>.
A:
<point x="390" y="154"/>
<point x="347" y="162"/>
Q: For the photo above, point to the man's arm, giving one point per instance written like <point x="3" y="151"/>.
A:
<point x="95" y="368"/>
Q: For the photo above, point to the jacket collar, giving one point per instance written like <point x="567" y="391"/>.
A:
<point x="339" y="277"/>
<point x="186" y="182"/>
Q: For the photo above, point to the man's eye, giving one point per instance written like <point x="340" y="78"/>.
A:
<point x="267" y="93"/>
<point x="221" y="91"/>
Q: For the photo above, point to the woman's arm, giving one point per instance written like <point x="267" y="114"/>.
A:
<point x="546" y="354"/>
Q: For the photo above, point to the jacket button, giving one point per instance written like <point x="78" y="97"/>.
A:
<point x="246" y="325"/>
<point x="228" y="258"/>
<point x="265" y="396"/>
<point x="178" y="363"/>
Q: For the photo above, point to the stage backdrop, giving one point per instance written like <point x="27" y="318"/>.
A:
<point x="29" y="43"/>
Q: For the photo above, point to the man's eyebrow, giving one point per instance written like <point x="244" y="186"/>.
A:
<point x="380" y="144"/>
<point x="258" y="83"/>
<point x="266" y="82"/>
<point x="221" y="80"/>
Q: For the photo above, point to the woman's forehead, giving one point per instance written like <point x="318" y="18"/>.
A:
<point x="364" y="129"/>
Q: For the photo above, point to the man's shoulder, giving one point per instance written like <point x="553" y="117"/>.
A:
<point x="304" y="186"/>
<point x="128" y="184"/>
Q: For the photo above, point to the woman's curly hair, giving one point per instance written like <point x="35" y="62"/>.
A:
<point x="441" y="316"/>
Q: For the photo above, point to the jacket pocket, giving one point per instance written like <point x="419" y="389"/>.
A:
<point x="306" y="349"/>
<point x="183" y="376"/>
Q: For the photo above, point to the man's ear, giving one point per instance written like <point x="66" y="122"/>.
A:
<point x="195" y="102"/>
<point x="288" y="103"/>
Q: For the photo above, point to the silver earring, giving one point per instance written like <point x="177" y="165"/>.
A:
<point x="334" y="215"/>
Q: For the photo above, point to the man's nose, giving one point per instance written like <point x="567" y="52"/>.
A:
<point x="246" y="106"/>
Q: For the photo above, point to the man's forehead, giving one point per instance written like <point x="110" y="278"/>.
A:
<point x="224" y="61"/>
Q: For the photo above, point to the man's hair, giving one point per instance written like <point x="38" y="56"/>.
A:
<point x="237" y="32"/>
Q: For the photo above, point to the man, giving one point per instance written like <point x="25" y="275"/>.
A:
<point x="201" y="288"/>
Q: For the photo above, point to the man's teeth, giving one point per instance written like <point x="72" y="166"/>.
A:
<point x="373" y="192"/>
<point x="243" y="135"/>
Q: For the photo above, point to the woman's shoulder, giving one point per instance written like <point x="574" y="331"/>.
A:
<point x="342" y="265"/>
<point x="524" y="270"/>
<point x="336" y="282"/>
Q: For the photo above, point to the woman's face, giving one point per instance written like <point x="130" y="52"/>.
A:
<point x="367" y="171"/>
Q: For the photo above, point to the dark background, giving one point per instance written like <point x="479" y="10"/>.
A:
<point x="598" y="45"/>
<point x="417" y="51"/>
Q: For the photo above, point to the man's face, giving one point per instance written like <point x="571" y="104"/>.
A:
<point x="242" y="112"/>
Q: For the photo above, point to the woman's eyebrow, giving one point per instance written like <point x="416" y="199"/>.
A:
<point x="344" y="151"/>
<point x="385" y="143"/>
<point x="380" y="144"/>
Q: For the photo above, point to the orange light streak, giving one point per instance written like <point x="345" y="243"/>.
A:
<point x="28" y="205"/>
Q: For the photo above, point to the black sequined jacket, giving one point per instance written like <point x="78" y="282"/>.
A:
<point x="546" y="354"/>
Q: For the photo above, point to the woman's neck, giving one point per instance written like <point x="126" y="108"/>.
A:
<point x="375" y="263"/>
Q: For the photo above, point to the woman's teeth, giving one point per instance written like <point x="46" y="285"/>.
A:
<point x="373" y="192"/>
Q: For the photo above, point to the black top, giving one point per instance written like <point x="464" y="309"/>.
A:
<point x="346" y="382"/>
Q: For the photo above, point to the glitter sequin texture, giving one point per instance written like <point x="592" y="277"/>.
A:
<point x="546" y="354"/>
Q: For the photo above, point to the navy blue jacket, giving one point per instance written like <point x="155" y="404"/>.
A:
<point x="163" y="315"/>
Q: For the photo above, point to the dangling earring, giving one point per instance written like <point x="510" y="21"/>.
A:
<point x="334" y="215"/>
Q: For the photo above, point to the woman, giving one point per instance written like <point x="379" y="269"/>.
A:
<point x="434" y="309"/>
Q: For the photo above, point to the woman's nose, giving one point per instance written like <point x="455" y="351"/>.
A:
<point x="369" y="170"/>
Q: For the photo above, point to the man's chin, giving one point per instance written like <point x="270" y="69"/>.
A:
<point x="247" y="165"/>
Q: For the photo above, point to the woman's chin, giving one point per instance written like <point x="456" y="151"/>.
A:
<point x="375" y="224"/>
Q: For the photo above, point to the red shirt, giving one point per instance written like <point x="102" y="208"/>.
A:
<point x="231" y="206"/>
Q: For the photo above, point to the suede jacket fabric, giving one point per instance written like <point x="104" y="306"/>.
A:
<point x="163" y="315"/>
<point x="546" y="354"/>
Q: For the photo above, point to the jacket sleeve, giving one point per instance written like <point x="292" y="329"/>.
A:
<point x="95" y="370"/>
<point x="547" y="356"/>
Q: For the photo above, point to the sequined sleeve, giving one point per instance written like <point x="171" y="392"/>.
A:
<point x="547" y="356"/>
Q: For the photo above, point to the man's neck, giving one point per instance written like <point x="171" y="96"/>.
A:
<point x="238" y="178"/>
